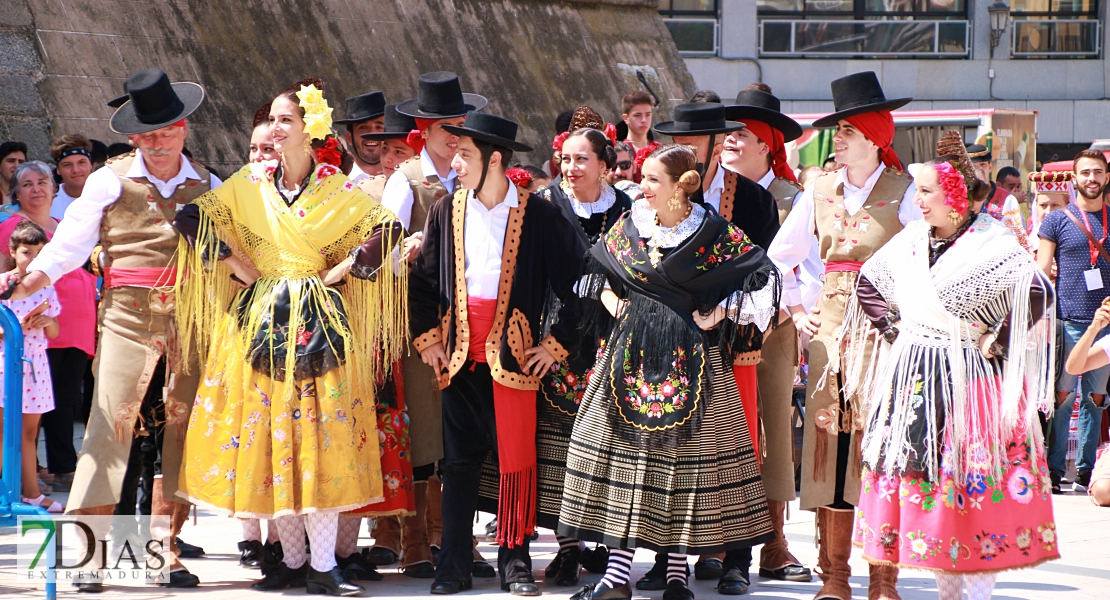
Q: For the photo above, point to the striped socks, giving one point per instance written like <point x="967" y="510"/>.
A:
<point x="620" y="565"/>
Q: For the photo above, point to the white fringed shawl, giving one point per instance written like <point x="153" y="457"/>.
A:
<point x="984" y="276"/>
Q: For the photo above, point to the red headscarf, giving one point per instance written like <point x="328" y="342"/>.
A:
<point x="878" y="127"/>
<point x="774" y="140"/>
<point x="414" y="139"/>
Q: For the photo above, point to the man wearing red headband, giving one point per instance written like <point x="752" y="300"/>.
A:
<point x="854" y="211"/>
<point x="128" y="207"/>
<point x="758" y="153"/>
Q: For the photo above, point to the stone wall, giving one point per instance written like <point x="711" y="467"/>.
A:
<point x="61" y="60"/>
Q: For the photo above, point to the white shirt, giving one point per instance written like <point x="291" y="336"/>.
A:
<point x="397" y="195"/>
<point x="713" y="196"/>
<point x="484" y="241"/>
<point x="811" y="273"/>
<point x="79" y="232"/>
<point x="797" y="239"/>
<point x="61" y="202"/>
<point x="357" y="174"/>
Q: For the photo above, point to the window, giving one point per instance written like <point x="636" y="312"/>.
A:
<point x="864" y="9"/>
<point x="1055" y="29"/>
<point x="693" y="25"/>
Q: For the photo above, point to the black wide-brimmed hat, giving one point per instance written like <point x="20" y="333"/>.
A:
<point x="491" y="129"/>
<point x="362" y="108"/>
<point x="153" y="102"/>
<point x="396" y="125"/>
<point x="856" y="94"/>
<point x="758" y="105"/>
<point x="439" y="96"/>
<point x="698" y="118"/>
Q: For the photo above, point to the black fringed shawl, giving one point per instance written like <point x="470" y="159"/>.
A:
<point x="658" y="373"/>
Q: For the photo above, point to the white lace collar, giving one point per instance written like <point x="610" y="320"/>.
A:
<point x="585" y="210"/>
<point x="643" y="216"/>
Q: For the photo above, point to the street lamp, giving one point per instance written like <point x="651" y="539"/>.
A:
<point x="1000" y="19"/>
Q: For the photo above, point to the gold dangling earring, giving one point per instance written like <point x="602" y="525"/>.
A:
<point x="308" y="146"/>
<point x="674" y="203"/>
<point x="955" y="217"/>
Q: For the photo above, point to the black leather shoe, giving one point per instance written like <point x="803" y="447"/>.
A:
<point x="656" y="577"/>
<point x="553" y="567"/>
<point x="793" y="572"/>
<point x="733" y="583"/>
<point x="356" y="568"/>
<point x="188" y="550"/>
<point x="331" y="583"/>
<point x="381" y="556"/>
<point x="282" y="577"/>
<point x="483" y="569"/>
<point x="569" y="568"/>
<point x="451" y="587"/>
<point x="677" y="590"/>
<point x="181" y="579"/>
<point x="521" y="588"/>
<point x="421" y="570"/>
<point x="603" y="592"/>
<point x="89" y="587"/>
<point x="595" y="560"/>
<point x="491" y="531"/>
<point x="251" y="554"/>
<point x="708" y="568"/>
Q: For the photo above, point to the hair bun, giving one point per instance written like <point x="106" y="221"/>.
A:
<point x="690" y="181"/>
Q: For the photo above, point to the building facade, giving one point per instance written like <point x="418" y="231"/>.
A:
<point x="1045" y="55"/>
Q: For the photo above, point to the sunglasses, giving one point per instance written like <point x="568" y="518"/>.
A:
<point x="624" y="165"/>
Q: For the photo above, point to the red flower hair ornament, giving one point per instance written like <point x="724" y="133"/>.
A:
<point x="955" y="189"/>
<point x="519" y="177"/>
<point x="330" y="153"/>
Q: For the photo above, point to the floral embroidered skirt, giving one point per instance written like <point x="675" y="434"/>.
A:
<point x="393" y="438"/>
<point x="981" y="523"/>
<point x="703" y="496"/>
<point x="259" y="447"/>
<point x="561" y="392"/>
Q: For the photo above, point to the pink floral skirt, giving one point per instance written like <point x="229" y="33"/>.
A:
<point x="979" y="524"/>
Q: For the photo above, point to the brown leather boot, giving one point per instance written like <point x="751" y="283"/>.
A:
<point x="416" y="557"/>
<point x="775" y="559"/>
<point x="179" y="577"/>
<point x="834" y="546"/>
<point x="435" y="512"/>
<point x="387" y="541"/>
<point x="883" y="583"/>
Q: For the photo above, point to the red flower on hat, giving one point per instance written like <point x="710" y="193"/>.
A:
<point x="519" y="177"/>
<point x="330" y="153"/>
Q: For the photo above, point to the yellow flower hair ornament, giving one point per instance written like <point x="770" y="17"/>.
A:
<point x="317" y="113"/>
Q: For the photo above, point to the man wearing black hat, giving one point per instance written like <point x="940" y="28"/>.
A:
<point x="477" y="295"/>
<point x="1001" y="204"/>
<point x="128" y="209"/>
<point x="854" y="211"/>
<point x="393" y="146"/>
<point x="365" y="114"/>
<point x="758" y="152"/>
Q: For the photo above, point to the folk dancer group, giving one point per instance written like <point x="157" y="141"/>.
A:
<point x="335" y="334"/>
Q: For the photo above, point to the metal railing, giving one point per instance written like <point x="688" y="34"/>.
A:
<point x="11" y="504"/>
<point x="834" y="38"/>
<point x="1063" y="38"/>
<point x="695" y="37"/>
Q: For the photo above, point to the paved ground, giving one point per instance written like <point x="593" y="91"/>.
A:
<point x="1082" y="573"/>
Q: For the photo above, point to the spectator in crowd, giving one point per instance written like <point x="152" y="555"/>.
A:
<point x="1009" y="179"/>
<point x="539" y="178"/>
<point x="73" y="156"/>
<point x="69" y="351"/>
<point x="12" y="154"/>
<point x="624" y="169"/>
<point x="831" y="164"/>
<point x="809" y="174"/>
<point x="636" y="110"/>
<point x="1076" y="238"/>
<point x="1086" y="356"/>
<point x="706" y="96"/>
<point x="262" y="141"/>
<point x="99" y="153"/>
<point x="118" y="149"/>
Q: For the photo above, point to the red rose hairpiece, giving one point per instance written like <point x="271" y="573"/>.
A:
<point x="330" y="153"/>
<point x="557" y="143"/>
<point x="642" y="154"/>
<point x="520" y="177"/>
<point x="954" y="186"/>
<point x="611" y="133"/>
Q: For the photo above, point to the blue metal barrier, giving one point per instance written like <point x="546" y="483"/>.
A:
<point x="11" y="489"/>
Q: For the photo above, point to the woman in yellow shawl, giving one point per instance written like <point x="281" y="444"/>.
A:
<point x="289" y="295"/>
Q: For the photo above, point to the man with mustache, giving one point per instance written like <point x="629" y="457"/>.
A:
<point x="365" y="114"/>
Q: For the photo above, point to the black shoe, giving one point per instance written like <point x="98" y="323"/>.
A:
<point x="181" y="579"/>
<point x="251" y="554"/>
<point x="451" y="587"/>
<point x="271" y="558"/>
<point x="381" y="556"/>
<point x="483" y="569"/>
<point x="282" y="577"/>
<point x="676" y="590"/>
<point x="1056" y="479"/>
<point x="595" y="560"/>
<point x="708" y="568"/>
<point x="603" y="592"/>
<point x="491" y="531"/>
<point x="734" y="583"/>
<point x="435" y="554"/>
<point x="188" y="550"/>
<point x="421" y="570"/>
<point x="356" y="568"/>
<point x="89" y="587"/>
<point x="1082" y="480"/>
<point x="793" y="572"/>
<point x="331" y="583"/>
<point x="656" y="577"/>
<point x="569" y="568"/>
<point x="554" y="566"/>
<point x="521" y="588"/>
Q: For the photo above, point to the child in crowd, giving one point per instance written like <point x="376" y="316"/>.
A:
<point x="37" y="314"/>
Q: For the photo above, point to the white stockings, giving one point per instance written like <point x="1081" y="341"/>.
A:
<point x="346" y="542"/>
<point x="252" y="530"/>
<point x="980" y="586"/>
<point x="323" y="529"/>
<point x="291" y="532"/>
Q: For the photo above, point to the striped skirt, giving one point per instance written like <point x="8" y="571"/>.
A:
<point x="552" y="441"/>
<point x="703" y="497"/>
